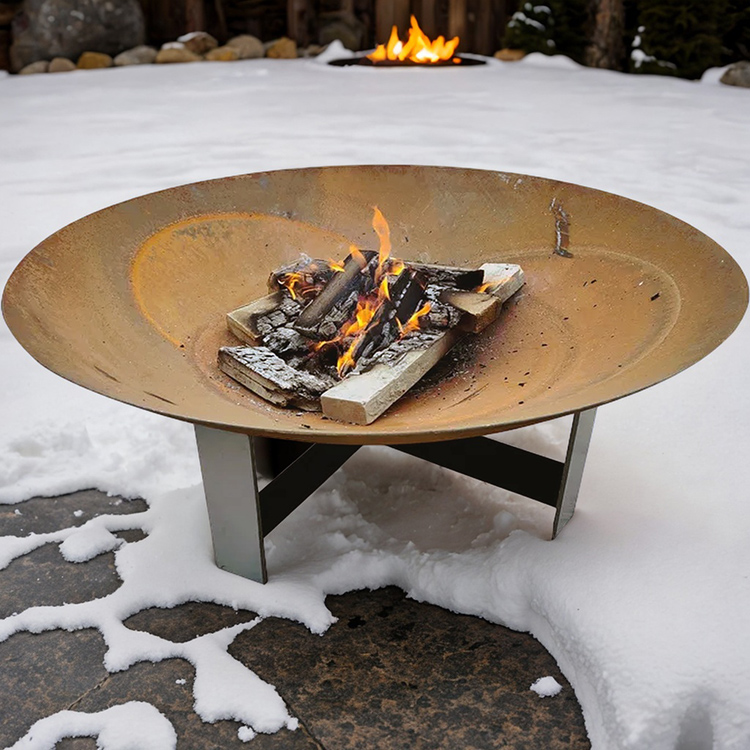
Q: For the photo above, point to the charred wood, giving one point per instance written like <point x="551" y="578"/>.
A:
<point x="343" y="287"/>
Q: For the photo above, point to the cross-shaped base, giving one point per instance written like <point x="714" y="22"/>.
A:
<point x="252" y="484"/>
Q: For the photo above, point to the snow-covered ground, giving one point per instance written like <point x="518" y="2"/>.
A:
<point x="644" y="600"/>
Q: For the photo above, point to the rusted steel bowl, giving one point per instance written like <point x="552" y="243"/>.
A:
<point x="130" y="301"/>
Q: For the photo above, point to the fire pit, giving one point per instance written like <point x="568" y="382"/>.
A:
<point x="417" y="51"/>
<point x="130" y="302"/>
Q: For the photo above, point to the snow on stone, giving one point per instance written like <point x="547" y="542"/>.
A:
<point x="245" y="734"/>
<point x="88" y="542"/>
<point x="644" y="600"/>
<point x="546" y="687"/>
<point x="130" y="726"/>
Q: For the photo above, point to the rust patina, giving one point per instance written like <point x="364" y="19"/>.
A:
<point x="130" y="301"/>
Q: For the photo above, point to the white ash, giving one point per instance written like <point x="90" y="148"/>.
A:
<point x="262" y="360"/>
<point x="391" y="355"/>
<point x="287" y="310"/>
<point x="284" y="340"/>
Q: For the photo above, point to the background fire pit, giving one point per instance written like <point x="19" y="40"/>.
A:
<point x="130" y="301"/>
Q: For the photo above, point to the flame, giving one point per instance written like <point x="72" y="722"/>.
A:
<point x="295" y="283"/>
<point x="336" y="266"/>
<point x="418" y="48"/>
<point x="413" y="324"/>
<point x="380" y="225"/>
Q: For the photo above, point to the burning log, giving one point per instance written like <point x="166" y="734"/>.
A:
<point x="341" y="293"/>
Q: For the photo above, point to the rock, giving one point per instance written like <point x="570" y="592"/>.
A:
<point x="61" y="65"/>
<point x="141" y="55"/>
<point x="223" y="54"/>
<point x="94" y="60"/>
<point x="344" y="26"/>
<point x="249" y="47"/>
<point x="171" y="53"/>
<point x="67" y="28"/>
<point x="510" y="55"/>
<point x="737" y="74"/>
<point x="198" y="42"/>
<point x="40" y="66"/>
<point x="282" y="49"/>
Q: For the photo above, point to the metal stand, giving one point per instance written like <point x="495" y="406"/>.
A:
<point x="252" y="484"/>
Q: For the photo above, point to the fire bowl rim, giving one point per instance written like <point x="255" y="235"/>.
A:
<point x="467" y="61"/>
<point x="26" y="299"/>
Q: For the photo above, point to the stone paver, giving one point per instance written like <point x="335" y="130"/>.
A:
<point x="392" y="673"/>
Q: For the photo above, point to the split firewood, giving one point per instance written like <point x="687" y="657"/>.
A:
<point x="265" y="373"/>
<point x="243" y="321"/>
<point x="361" y="399"/>
<point x="479" y="309"/>
<point x="502" y="280"/>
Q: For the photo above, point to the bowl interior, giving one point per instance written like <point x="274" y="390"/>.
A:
<point x="130" y="301"/>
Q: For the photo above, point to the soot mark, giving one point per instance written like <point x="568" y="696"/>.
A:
<point x="106" y="374"/>
<point x="161" y="398"/>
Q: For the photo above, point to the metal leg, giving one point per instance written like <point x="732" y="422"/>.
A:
<point x="252" y="484"/>
<point x="231" y="487"/>
<point x="575" y="460"/>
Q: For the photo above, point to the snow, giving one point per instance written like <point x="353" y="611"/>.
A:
<point x="131" y="726"/>
<point x="546" y="687"/>
<point x="644" y="600"/>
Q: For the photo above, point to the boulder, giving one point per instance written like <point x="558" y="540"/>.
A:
<point x="141" y="55"/>
<point x="198" y="42"/>
<point x="248" y="46"/>
<point x="510" y="55"/>
<point x="67" y="28"/>
<point x="223" y="54"/>
<point x="94" y="60"/>
<point x="61" y="65"/>
<point x="176" y="53"/>
<point x="282" y="49"/>
<point x="737" y="74"/>
<point x="40" y="66"/>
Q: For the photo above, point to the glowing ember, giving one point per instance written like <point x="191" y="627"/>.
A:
<point x="418" y="48"/>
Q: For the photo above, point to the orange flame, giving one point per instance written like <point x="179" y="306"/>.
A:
<point x="413" y="324"/>
<point x="336" y="266"/>
<point x="295" y="283"/>
<point x="380" y="225"/>
<point x="418" y="47"/>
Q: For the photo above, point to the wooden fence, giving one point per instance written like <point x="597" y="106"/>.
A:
<point x="479" y="23"/>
